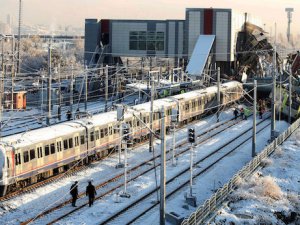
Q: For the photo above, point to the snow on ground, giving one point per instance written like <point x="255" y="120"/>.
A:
<point x="216" y="177"/>
<point x="32" y="204"/>
<point x="272" y="194"/>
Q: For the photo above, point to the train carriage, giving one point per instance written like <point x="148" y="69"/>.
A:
<point x="38" y="154"/>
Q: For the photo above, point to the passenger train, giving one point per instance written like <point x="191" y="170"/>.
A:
<point x="35" y="155"/>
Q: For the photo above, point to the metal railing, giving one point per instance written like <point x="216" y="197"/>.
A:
<point x="209" y="207"/>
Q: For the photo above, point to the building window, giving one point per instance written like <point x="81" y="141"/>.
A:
<point x="143" y="40"/>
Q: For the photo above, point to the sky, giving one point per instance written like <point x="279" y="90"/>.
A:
<point x="73" y="12"/>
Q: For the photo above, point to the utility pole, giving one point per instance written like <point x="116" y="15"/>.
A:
<point x="191" y="168"/>
<point x="59" y="86"/>
<point x="273" y="115"/>
<point x="151" y="112"/>
<point x="254" y="119"/>
<point x="174" y="121"/>
<point x="120" y="119"/>
<point x="19" y="35"/>
<point x="12" y="72"/>
<point x="219" y="95"/>
<point x="125" y="138"/>
<point x="86" y="89"/>
<point x="2" y="55"/>
<point x="49" y="85"/>
<point x="71" y="89"/>
<point x="106" y="87"/>
<point x="162" y="168"/>
<point x="290" y="97"/>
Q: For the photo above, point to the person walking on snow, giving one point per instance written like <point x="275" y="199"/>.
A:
<point x="242" y="113"/>
<point x="91" y="192"/>
<point x="74" y="193"/>
<point x="260" y="111"/>
<point x="235" y="112"/>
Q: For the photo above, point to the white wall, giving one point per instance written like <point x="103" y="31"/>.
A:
<point x="180" y="39"/>
<point x="222" y="29"/>
<point x="120" y="37"/>
<point x="161" y="27"/>
<point x="171" y="44"/>
<point x="194" y="18"/>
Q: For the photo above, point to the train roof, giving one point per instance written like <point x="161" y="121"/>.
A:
<point x="67" y="128"/>
<point x="212" y="89"/>
<point x="42" y="134"/>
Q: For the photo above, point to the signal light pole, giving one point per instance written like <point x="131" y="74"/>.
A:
<point x="162" y="169"/>
<point x="254" y="120"/>
<point x="126" y="138"/>
<point x="191" y="137"/>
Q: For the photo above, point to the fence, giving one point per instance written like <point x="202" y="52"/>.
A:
<point x="209" y="207"/>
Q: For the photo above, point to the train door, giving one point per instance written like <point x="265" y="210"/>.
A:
<point x="91" y="138"/>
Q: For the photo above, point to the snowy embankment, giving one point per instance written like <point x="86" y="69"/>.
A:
<point x="272" y="194"/>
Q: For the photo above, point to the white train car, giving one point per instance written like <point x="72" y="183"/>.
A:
<point x="38" y="154"/>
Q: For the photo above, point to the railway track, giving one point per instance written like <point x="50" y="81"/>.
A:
<point x="143" y="168"/>
<point x="32" y="187"/>
<point x="34" y="124"/>
<point x="137" y="208"/>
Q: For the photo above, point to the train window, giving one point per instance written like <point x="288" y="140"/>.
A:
<point x="193" y="104"/>
<point x="7" y="162"/>
<point x="32" y="154"/>
<point x="102" y="133"/>
<point x="187" y="107"/>
<point x="17" y="159"/>
<point x="52" y="148"/>
<point x="97" y="135"/>
<point x="82" y="141"/>
<point x="144" y="120"/>
<point x="70" y="142"/>
<point x="92" y="136"/>
<point x="110" y="130"/>
<point x="47" y="150"/>
<point x="76" y="141"/>
<point x="40" y="152"/>
<point x="130" y="124"/>
<point x="105" y="131"/>
<point x="58" y="146"/>
<point x="137" y="123"/>
<point x="25" y="156"/>
<point x="65" y="144"/>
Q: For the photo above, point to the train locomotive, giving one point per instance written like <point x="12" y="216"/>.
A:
<point x="38" y="154"/>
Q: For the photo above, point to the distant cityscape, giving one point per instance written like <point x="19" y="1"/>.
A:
<point x="11" y="26"/>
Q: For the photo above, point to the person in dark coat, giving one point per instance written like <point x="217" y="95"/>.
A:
<point x="260" y="112"/>
<point x="69" y="115"/>
<point x="242" y="113"/>
<point x="235" y="112"/>
<point x="91" y="192"/>
<point x="74" y="193"/>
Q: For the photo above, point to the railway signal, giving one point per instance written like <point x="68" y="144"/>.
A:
<point x="126" y="133"/>
<point x="191" y="135"/>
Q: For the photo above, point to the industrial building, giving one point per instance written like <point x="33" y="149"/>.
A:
<point x="207" y="33"/>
